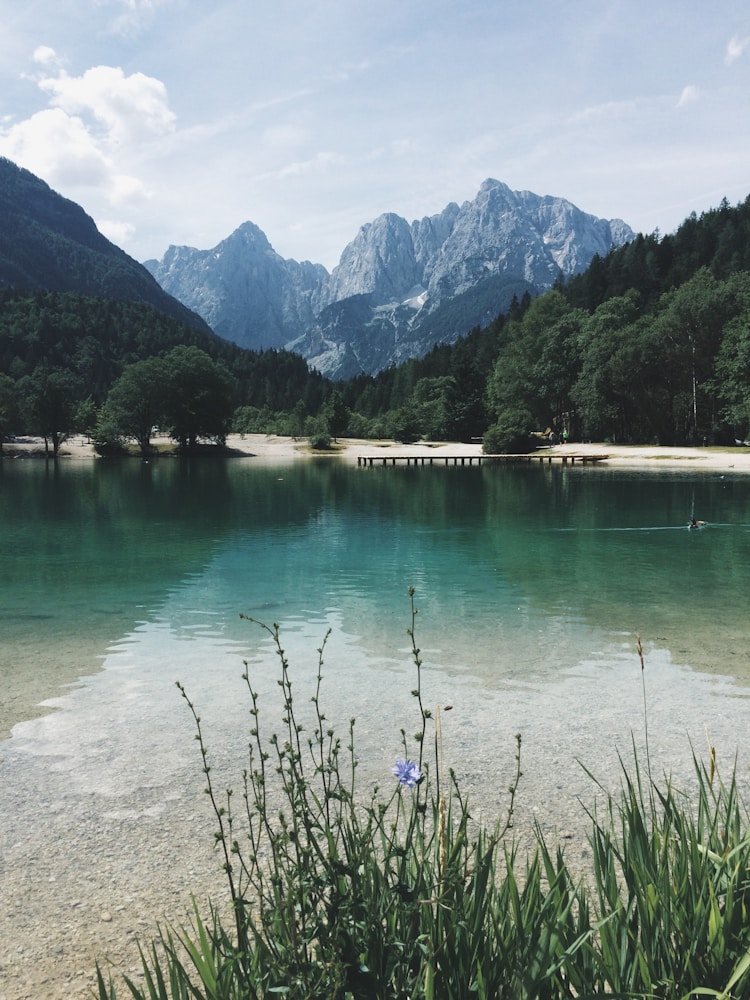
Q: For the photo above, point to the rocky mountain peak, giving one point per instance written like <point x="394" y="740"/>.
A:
<point x="379" y="262"/>
<point x="383" y="301"/>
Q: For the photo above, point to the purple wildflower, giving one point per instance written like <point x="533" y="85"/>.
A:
<point x="407" y="772"/>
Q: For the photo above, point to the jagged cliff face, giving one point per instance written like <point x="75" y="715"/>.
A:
<point x="399" y="288"/>
<point x="243" y="289"/>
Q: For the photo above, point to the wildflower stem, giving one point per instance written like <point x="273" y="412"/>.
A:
<point x="639" y="649"/>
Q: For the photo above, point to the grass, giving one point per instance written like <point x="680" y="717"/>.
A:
<point x="335" y="893"/>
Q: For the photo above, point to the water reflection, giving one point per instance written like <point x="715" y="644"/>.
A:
<point x="516" y="568"/>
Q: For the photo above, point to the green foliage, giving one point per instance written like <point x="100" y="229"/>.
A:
<point x="635" y="358"/>
<point x="732" y="372"/>
<point x="537" y="362"/>
<point x="404" y="425"/>
<point x="320" y="441"/>
<point x="251" y="420"/>
<point x="336" y="414"/>
<point x="340" y="894"/>
<point x="630" y="370"/>
<point x="673" y="889"/>
<point x="108" y="438"/>
<point x="137" y="402"/>
<point x="606" y="393"/>
<point x="97" y="340"/>
<point x="185" y="391"/>
<point x="93" y="337"/>
<point x="198" y="397"/>
<point x="9" y="407"/>
<point x="438" y="409"/>
<point x="691" y="322"/>
<point x="86" y="416"/>
<point x="316" y="430"/>
<point x="652" y="265"/>
<point x="360" y="427"/>
<point x="511" y="435"/>
<point x="50" y="404"/>
<point x="433" y="402"/>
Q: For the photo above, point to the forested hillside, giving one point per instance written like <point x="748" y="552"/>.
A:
<point x="96" y="339"/>
<point x="77" y="314"/>
<point x="48" y="242"/>
<point x="62" y="353"/>
<point x="652" y="265"/>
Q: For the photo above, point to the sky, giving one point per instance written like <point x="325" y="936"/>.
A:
<point x="175" y="121"/>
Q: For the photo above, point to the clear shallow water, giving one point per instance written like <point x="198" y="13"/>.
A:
<point x="531" y="585"/>
<point x="520" y="573"/>
<point x="524" y="577"/>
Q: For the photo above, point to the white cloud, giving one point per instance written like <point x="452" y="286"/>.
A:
<point x="117" y="232"/>
<point x="129" y="108"/>
<point x="285" y="136"/>
<point x="689" y="95"/>
<point x="83" y="144"/>
<point x="404" y="147"/>
<point x="124" y="189"/>
<point x="609" y="111"/>
<point x="736" y="48"/>
<point x="44" y="55"/>
<point x="58" y="147"/>
<point x="134" y="16"/>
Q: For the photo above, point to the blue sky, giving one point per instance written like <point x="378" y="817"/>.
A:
<point x="174" y="121"/>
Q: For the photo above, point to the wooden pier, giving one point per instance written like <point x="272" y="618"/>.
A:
<point x="542" y="457"/>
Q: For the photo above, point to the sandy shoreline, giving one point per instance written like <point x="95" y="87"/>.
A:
<point x="273" y="448"/>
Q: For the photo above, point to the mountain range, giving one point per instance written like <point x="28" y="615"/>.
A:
<point x="399" y="288"/>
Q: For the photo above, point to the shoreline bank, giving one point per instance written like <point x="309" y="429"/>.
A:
<point x="274" y="448"/>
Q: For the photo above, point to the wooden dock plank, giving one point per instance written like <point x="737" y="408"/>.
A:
<point x="369" y="461"/>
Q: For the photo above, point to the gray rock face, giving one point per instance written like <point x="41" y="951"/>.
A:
<point x="399" y="288"/>
<point x="243" y="289"/>
<point x="379" y="261"/>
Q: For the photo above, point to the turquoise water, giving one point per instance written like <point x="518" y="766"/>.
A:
<point x="522" y="576"/>
<point x="531" y="585"/>
<point x="526" y="560"/>
<point x="525" y="578"/>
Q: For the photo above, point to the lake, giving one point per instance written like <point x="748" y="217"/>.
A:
<point x="531" y="585"/>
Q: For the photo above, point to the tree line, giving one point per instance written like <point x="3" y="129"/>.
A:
<point x="69" y="363"/>
<point x="650" y="344"/>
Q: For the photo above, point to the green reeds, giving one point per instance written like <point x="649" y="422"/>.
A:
<point x="672" y="890"/>
<point x="338" y="895"/>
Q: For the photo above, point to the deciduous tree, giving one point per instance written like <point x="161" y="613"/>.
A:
<point x="137" y="401"/>
<point x="50" y="398"/>
<point x="199" y="397"/>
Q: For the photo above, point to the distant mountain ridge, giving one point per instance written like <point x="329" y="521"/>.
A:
<point x="399" y="288"/>
<point x="49" y="243"/>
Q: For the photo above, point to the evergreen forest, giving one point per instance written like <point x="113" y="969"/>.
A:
<point x="650" y="345"/>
